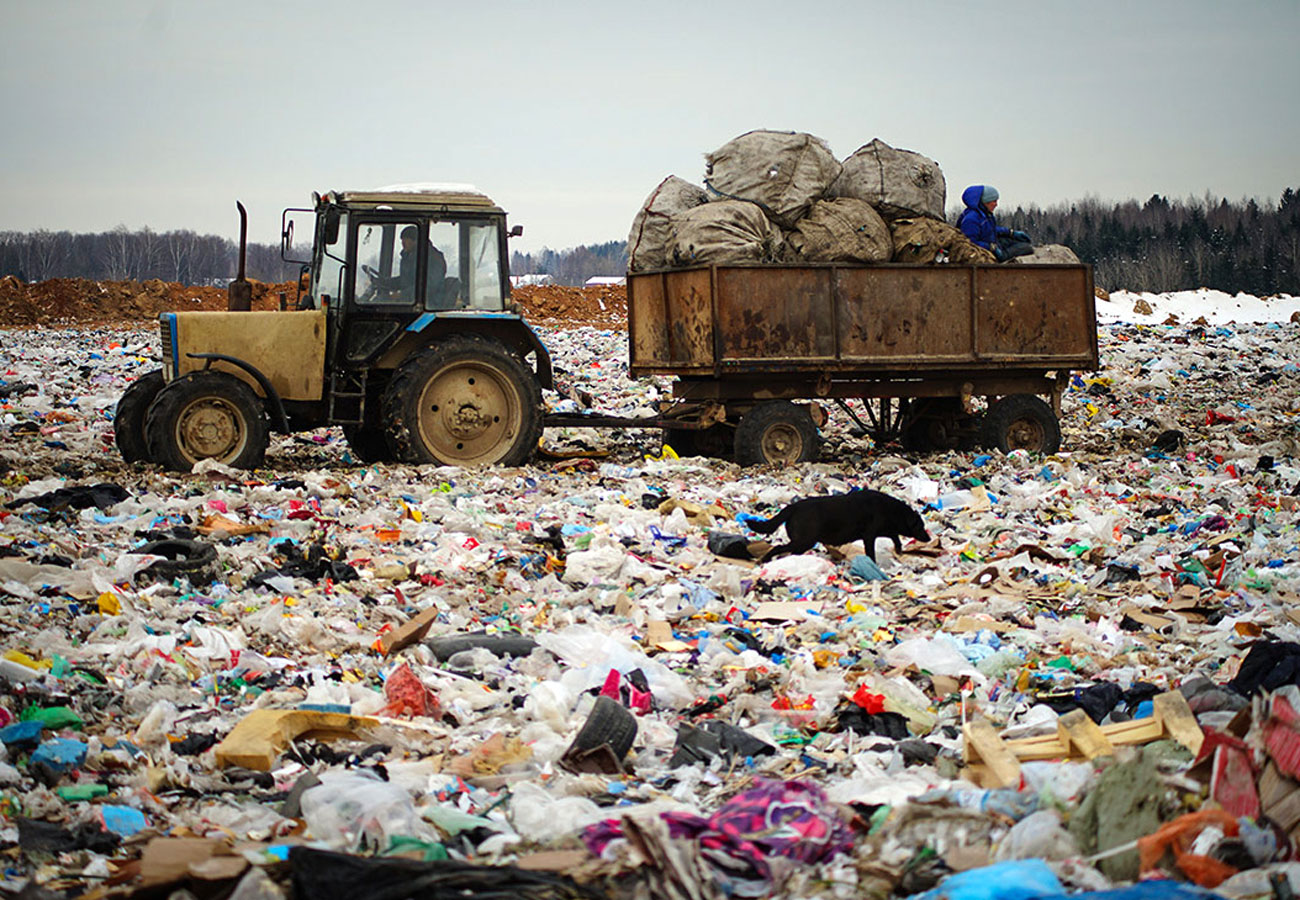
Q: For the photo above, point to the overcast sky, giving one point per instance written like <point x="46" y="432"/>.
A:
<point x="159" y="113"/>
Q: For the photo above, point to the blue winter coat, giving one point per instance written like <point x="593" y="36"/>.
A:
<point x="976" y="222"/>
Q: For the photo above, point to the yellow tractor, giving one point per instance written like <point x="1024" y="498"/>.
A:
<point x="405" y="337"/>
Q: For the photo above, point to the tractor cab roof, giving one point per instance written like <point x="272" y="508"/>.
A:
<point x="419" y="196"/>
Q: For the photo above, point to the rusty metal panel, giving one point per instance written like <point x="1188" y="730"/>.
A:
<point x="905" y="313"/>
<point x="689" y="311"/>
<point x="1035" y="313"/>
<point x="646" y="320"/>
<point x="771" y="313"/>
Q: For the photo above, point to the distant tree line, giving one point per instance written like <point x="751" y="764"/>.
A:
<point x="123" y="255"/>
<point x="1164" y="245"/>
<point x="573" y="266"/>
<point x="1159" y="245"/>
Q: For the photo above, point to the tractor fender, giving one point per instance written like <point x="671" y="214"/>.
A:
<point x="274" y="404"/>
<point x="506" y="328"/>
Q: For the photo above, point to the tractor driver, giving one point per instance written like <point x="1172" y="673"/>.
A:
<point x="405" y="281"/>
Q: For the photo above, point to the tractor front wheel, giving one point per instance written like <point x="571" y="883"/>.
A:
<point x="206" y="415"/>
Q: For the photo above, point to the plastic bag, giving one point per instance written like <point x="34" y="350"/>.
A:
<point x="1014" y="880"/>
<point x="347" y="810"/>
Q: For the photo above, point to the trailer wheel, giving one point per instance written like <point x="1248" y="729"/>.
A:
<point x="206" y="415"/>
<point x="368" y="445"/>
<point x="128" y="421"/>
<point x="466" y="401"/>
<point x="776" y="432"/>
<point x="936" y="426"/>
<point x="1021" y="422"/>
<point x="716" y="441"/>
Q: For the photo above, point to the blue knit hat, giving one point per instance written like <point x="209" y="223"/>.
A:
<point x="990" y="194"/>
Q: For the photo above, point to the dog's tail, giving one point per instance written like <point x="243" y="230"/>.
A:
<point x="767" y="526"/>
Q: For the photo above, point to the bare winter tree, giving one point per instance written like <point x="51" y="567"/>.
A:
<point x="116" y="254"/>
<point x="48" y="249"/>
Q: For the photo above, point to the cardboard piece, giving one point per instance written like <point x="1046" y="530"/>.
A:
<point x="1149" y="619"/>
<point x="215" y="523"/>
<point x="785" y="610"/>
<point x="168" y="859"/>
<point x="553" y="860"/>
<point x="410" y="632"/>
<point x="260" y="737"/>
<point x="972" y="624"/>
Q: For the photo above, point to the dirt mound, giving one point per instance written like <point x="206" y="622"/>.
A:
<point x="77" y="301"/>
<point x="81" y="301"/>
<point x="554" y="304"/>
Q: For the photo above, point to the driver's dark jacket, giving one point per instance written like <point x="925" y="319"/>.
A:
<point x="433" y="281"/>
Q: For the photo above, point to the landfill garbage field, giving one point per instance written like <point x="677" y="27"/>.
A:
<point x="576" y="679"/>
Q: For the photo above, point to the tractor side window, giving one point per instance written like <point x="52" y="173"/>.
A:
<point x="484" y="267"/>
<point x="388" y="255"/>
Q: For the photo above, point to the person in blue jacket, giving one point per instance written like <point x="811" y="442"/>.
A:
<point x="978" y="224"/>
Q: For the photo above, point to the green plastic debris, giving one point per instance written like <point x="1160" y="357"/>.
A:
<point x="405" y="844"/>
<point x="53" y="717"/>
<point x="75" y="792"/>
<point x="1061" y="662"/>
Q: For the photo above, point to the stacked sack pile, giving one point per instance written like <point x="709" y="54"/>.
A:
<point x="782" y="197"/>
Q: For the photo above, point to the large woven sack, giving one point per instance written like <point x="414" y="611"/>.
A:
<point x="781" y="171"/>
<point x="1048" y="253"/>
<point x="726" y="232"/>
<point x="844" y="230"/>
<point x="923" y="240"/>
<point x="896" y="182"/>
<point x="652" y="229"/>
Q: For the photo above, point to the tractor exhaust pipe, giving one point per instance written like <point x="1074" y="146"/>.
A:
<point x="239" y="293"/>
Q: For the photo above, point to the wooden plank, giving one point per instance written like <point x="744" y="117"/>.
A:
<point x="1078" y="732"/>
<point x="1177" y="720"/>
<point x="983" y="744"/>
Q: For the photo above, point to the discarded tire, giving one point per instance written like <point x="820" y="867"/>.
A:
<point x="444" y="648"/>
<point x="610" y="723"/>
<point x="194" y="561"/>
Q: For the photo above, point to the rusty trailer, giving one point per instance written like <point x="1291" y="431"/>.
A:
<point x="916" y="344"/>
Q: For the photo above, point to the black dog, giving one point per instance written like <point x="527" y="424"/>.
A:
<point x="841" y="519"/>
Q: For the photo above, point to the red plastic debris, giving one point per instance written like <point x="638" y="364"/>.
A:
<point x="1176" y="837"/>
<point x="872" y="703"/>
<point x="407" y="695"/>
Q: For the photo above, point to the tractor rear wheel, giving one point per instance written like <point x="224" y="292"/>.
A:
<point x="128" y="421"/>
<point x="368" y="445"/>
<point x="206" y="415"/>
<point x="466" y="401"/>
